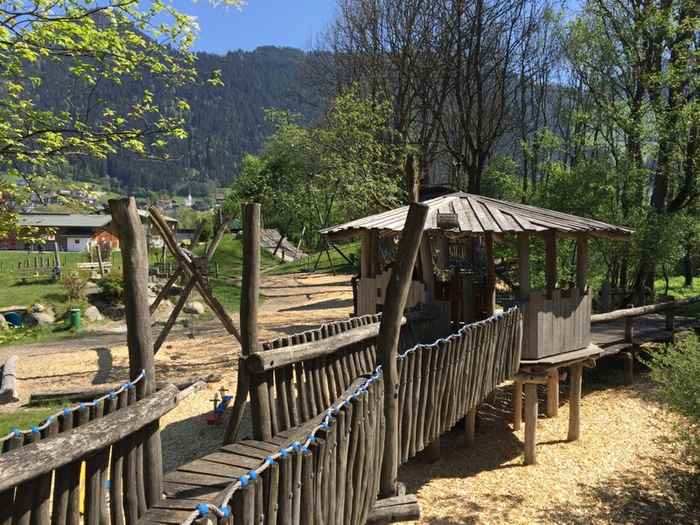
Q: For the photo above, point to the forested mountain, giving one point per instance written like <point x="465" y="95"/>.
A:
<point x="223" y="122"/>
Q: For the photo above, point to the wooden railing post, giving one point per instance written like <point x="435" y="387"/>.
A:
<point x="132" y="239"/>
<point x="388" y="340"/>
<point x="250" y="290"/>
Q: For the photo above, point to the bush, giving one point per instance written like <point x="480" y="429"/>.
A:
<point x="74" y="283"/>
<point x="112" y="288"/>
<point x="676" y="371"/>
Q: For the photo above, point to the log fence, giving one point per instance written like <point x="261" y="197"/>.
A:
<point x="105" y="440"/>
<point x="65" y="419"/>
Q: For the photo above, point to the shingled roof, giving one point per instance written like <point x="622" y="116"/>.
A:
<point x="479" y="214"/>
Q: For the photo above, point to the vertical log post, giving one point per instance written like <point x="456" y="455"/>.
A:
<point x="576" y="374"/>
<point x="550" y="268"/>
<point x="530" y="422"/>
<point x="388" y="339"/>
<point x="524" y="265"/>
<point x="553" y="393"/>
<point x="250" y="291"/>
<point x="581" y="262"/>
<point x="470" y="427"/>
<point x="517" y="404"/>
<point x="132" y="240"/>
<point x="490" y="275"/>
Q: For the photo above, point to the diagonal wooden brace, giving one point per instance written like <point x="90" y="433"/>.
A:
<point x="191" y="272"/>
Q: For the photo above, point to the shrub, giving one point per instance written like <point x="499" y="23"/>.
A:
<point x="112" y="288"/>
<point x="74" y="283"/>
<point x="676" y="371"/>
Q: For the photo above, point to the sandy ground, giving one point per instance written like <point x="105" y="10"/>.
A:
<point x="625" y="469"/>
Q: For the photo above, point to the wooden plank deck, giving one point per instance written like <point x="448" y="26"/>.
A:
<point x="650" y="328"/>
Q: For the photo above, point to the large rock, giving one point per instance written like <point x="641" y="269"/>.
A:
<point x="92" y="314"/>
<point x="195" y="308"/>
<point x="37" y="308"/>
<point x="43" y="318"/>
<point x="4" y="325"/>
<point x="163" y="311"/>
<point x="115" y="312"/>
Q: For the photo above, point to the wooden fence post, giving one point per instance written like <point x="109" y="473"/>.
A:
<point x="132" y="239"/>
<point x="250" y="290"/>
<point x="388" y="339"/>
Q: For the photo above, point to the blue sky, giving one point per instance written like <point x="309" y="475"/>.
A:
<point x="293" y="23"/>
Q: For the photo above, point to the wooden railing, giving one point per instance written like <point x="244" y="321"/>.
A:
<point x="443" y="381"/>
<point x="327" y="470"/>
<point x="40" y="483"/>
<point x="558" y="324"/>
<point x="69" y="418"/>
<point x="294" y="377"/>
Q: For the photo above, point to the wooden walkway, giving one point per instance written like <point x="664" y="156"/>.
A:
<point x="651" y="328"/>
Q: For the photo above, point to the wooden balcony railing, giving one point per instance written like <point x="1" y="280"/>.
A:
<point x="557" y="325"/>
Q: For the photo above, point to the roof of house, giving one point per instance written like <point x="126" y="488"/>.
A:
<point x="64" y="220"/>
<point x="479" y="214"/>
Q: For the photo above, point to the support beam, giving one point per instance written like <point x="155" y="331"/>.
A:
<point x="490" y="275"/>
<point x="132" y="239"/>
<point x="550" y="262"/>
<point x="581" y="261"/>
<point x="250" y="293"/>
<point x="388" y="340"/>
<point x="628" y="361"/>
<point x="553" y="393"/>
<point x="517" y="405"/>
<point x="576" y="377"/>
<point x="524" y="265"/>
<point x="470" y="427"/>
<point x="530" y="423"/>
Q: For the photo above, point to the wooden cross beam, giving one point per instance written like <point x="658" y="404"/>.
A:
<point x="178" y="272"/>
<point x="191" y="271"/>
<point x="211" y="249"/>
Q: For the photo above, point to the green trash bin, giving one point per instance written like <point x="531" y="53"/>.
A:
<point x="75" y="318"/>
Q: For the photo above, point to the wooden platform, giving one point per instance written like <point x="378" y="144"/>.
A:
<point x="650" y="328"/>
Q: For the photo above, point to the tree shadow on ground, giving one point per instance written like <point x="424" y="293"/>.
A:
<point x="192" y="438"/>
<point x="673" y="497"/>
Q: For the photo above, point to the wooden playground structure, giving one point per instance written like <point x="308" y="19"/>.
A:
<point x="334" y="410"/>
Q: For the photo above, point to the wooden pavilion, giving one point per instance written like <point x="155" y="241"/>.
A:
<point x="457" y="270"/>
<point x="457" y="267"/>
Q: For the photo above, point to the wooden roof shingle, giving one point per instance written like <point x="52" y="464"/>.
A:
<point x="479" y="214"/>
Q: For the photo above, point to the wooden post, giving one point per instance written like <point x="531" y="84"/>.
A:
<point x="524" y="265"/>
<point x="550" y="268"/>
<point x="99" y="260"/>
<point x="581" y="261"/>
<point x="132" y="238"/>
<point x="628" y="361"/>
<point x="517" y="404"/>
<point x="553" y="393"/>
<point x="470" y="427"/>
<point x="57" y="256"/>
<point x="576" y="374"/>
<point x="530" y="422"/>
<point x="250" y="291"/>
<point x="426" y="264"/>
<point x="629" y="329"/>
<point x="388" y="339"/>
<point x="490" y="275"/>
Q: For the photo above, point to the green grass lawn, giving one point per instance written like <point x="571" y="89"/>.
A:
<point x="25" y="418"/>
<point x="677" y="290"/>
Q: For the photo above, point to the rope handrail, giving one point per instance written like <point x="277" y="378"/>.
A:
<point x="17" y="433"/>
<point x="300" y="447"/>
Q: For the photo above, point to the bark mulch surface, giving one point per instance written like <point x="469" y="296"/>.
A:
<point x="626" y="468"/>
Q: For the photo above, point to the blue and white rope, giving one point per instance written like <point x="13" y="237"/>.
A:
<point x="17" y="433"/>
